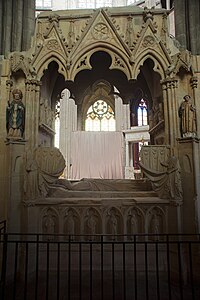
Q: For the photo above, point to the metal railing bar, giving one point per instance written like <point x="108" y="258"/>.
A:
<point x="58" y="271"/>
<point x="124" y="271"/>
<point x="168" y="271"/>
<point x="47" y="272"/>
<point x="91" y="279"/>
<point x="36" y="270"/>
<point x="191" y="271"/>
<point x="135" y="266"/>
<point x="4" y="266"/>
<point x="26" y="272"/>
<point x="146" y="271"/>
<point x="15" y="271"/>
<point x="80" y="271"/>
<point x="180" y="270"/>
<point x="113" y="270"/>
<point x="102" y="268"/>
<point x="69" y="268"/>
<point x="157" y="273"/>
<point x="98" y="242"/>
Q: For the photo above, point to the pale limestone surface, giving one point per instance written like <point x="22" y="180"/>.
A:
<point x="137" y="52"/>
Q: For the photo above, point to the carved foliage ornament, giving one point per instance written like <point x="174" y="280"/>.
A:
<point x="101" y="31"/>
<point x="148" y="41"/>
<point x="53" y="45"/>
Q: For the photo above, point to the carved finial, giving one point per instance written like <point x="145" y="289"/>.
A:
<point x="54" y="18"/>
<point x="147" y="14"/>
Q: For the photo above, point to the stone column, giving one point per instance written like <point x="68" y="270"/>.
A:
<point x="187" y="24"/>
<point x="15" y="152"/>
<point x="196" y="98"/>
<point x="169" y="86"/>
<point x="165" y="86"/>
<point x="190" y="174"/>
<point x="31" y="100"/>
<point x="175" y="126"/>
<point x="17" y="25"/>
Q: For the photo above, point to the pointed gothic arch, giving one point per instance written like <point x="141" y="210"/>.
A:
<point x="161" y="63"/>
<point x="120" y="60"/>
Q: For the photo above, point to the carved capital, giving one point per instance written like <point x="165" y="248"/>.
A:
<point x="9" y="84"/>
<point x="194" y="82"/>
<point x="169" y="83"/>
<point x="32" y="84"/>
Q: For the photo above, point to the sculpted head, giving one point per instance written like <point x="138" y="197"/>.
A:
<point x="187" y="98"/>
<point x="17" y="94"/>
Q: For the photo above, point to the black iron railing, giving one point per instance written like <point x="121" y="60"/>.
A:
<point x="2" y="262"/>
<point x="3" y="227"/>
<point x="100" y="267"/>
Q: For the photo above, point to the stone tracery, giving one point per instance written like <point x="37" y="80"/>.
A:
<point x="131" y="54"/>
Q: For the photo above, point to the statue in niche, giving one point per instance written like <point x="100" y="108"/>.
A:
<point x="42" y="111"/>
<point x="15" y="116"/>
<point x="49" y="226"/>
<point x="166" y="183"/>
<point x="155" y="225"/>
<point x="156" y="114"/>
<point x="91" y="223"/>
<point x="187" y="113"/>
<point x="113" y="224"/>
<point x="49" y="120"/>
<point x="133" y="224"/>
<point x="46" y="113"/>
<point x="70" y="224"/>
<point x="129" y="31"/>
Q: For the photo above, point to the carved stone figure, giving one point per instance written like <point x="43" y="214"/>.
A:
<point x="44" y="166"/>
<point x="155" y="224"/>
<point x="187" y="113"/>
<point x="133" y="224"/>
<point x="49" y="226"/>
<point x="91" y="223"/>
<point x="31" y="176"/>
<point x="42" y="111"/>
<point x="129" y="32"/>
<point x="15" y="116"/>
<point x="167" y="183"/>
<point x="70" y="223"/>
<point x="113" y="225"/>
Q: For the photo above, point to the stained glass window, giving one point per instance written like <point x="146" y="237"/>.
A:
<point x="142" y="113"/>
<point x="100" y="117"/>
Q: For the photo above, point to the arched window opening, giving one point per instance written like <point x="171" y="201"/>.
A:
<point x="100" y="117"/>
<point x="142" y="113"/>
